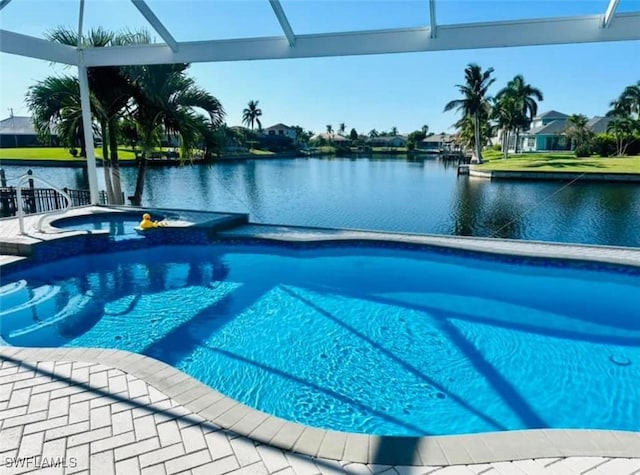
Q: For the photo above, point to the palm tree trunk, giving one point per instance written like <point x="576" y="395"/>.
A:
<point x="115" y="163"/>
<point x="83" y="145"/>
<point x="517" y="139"/>
<point x="505" y="144"/>
<point x="476" y="127"/>
<point x="106" y="162"/>
<point x="142" y="169"/>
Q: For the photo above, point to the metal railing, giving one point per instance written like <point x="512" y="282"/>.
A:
<point x="20" y="212"/>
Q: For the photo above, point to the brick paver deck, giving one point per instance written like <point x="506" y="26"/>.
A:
<point x="88" y="417"/>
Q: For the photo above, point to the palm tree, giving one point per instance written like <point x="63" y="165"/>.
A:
<point x="394" y="131"/>
<point x="341" y="128"/>
<point x="579" y="134"/>
<point x="623" y="130"/>
<point x="56" y="101"/>
<point x="524" y="97"/>
<point x="373" y="133"/>
<point x="466" y="127"/>
<point x="425" y="129"/>
<point x="251" y="114"/>
<point x="112" y="92"/>
<point x="507" y="115"/>
<point x="628" y="103"/>
<point x="166" y="101"/>
<point x="475" y="104"/>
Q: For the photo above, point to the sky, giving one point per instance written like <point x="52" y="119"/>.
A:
<point x="378" y="92"/>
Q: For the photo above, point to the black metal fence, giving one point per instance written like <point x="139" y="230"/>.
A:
<point x="38" y="200"/>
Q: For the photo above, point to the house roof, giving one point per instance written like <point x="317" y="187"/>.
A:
<point x="552" y="128"/>
<point x="332" y="137"/>
<point x="437" y="138"/>
<point x="278" y="126"/>
<point x="21" y="125"/>
<point x="551" y="115"/>
<point x="17" y="125"/>
<point x="598" y="125"/>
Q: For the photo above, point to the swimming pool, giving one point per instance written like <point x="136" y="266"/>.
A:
<point x="357" y="337"/>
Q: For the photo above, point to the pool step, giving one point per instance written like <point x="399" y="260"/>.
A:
<point x="10" y="294"/>
<point x="25" y="306"/>
<point x="75" y="305"/>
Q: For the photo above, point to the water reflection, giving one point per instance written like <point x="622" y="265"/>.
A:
<point x="422" y="195"/>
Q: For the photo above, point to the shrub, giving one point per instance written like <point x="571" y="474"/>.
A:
<point x="73" y="152"/>
<point x="583" y="150"/>
<point x="604" y="145"/>
<point x="496" y="147"/>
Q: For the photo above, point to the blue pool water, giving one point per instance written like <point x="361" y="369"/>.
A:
<point x="356" y="338"/>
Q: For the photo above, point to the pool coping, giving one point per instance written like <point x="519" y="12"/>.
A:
<point x="615" y="255"/>
<point x="392" y="450"/>
<point x="243" y="420"/>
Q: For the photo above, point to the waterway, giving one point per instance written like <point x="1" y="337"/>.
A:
<point x="389" y="194"/>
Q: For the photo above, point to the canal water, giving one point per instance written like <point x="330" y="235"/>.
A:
<point x="390" y="194"/>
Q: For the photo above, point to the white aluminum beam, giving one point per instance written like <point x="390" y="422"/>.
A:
<point x="156" y="24"/>
<point x="32" y="47"/>
<point x="582" y="29"/>
<point x="432" y="18"/>
<point x="608" y="15"/>
<point x="88" y="133"/>
<point x="4" y="3"/>
<point x="284" y="22"/>
<point x="80" y="22"/>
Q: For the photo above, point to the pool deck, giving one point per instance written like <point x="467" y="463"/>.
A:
<point x="110" y="411"/>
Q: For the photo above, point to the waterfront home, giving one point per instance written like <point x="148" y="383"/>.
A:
<point x="437" y="143"/>
<point x="18" y="131"/>
<point x="282" y="130"/>
<point x="389" y="141"/>
<point x="547" y="133"/>
<point x="332" y="138"/>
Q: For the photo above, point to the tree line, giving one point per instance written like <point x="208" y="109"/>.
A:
<point x="513" y="108"/>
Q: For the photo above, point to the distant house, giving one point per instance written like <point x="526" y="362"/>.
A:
<point x="547" y="133"/>
<point x="335" y="138"/>
<point x="18" y="131"/>
<point x="438" y="143"/>
<point x="388" y="141"/>
<point x="281" y="129"/>
<point x="599" y="125"/>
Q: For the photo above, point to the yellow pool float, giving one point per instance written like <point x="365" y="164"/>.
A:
<point x="146" y="222"/>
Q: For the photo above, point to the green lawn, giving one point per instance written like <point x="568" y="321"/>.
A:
<point x="255" y="151"/>
<point x="54" y="153"/>
<point x="388" y="149"/>
<point x="559" y="162"/>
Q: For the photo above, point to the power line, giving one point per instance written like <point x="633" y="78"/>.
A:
<point x="535" y="206"/>
<point x="241" y="201"/>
